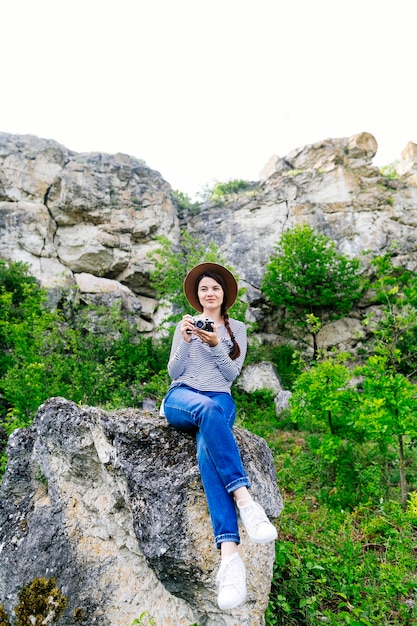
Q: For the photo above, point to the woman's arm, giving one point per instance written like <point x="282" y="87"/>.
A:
<point x="179" y="353"/>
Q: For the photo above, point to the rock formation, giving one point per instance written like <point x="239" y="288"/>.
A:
<point x="65" y="213"/>
<point x="98" y="215"/>
<point x="110" y="507"/>
<point x="330" y="185"/>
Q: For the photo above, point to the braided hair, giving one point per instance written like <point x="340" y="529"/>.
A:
<point x="235" y="350"/>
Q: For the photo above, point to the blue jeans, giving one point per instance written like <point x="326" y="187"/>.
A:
<point x="210" y="415"/>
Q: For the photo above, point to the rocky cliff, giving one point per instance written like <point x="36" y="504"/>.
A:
<point x="91" y="219"/>
<point x="110" y="510"/>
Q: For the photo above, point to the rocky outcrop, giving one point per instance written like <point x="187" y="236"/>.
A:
<point x="260" y="376"/>
<point x="111" y="508"/>
<point x="70" y="214"/>
<point x="332" y="186"/>
<point x="66" y="213"/>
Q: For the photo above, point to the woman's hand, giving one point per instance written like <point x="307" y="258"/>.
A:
<point x="187" y="325"/>
<point x="211" y="338"/>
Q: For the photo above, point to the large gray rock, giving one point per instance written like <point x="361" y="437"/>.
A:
<point x="111" y="505"/>
<point x="260" y="376"/>
<point x="64" y="212"/>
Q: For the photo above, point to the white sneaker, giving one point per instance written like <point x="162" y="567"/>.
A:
<point x="256" y="523"/>
<point x="231" y="579"/>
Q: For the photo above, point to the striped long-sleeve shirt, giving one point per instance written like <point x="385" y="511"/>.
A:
<point x="207" y="369"/>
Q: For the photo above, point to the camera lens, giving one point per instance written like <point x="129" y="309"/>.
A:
<point x="199" y="324"/>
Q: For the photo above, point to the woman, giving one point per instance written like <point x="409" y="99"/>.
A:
<point x="203" y="364"/>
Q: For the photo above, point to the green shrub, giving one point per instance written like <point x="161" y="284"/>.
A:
<point x="310" y="280"/>
<point x="184" y="202"/>
<point x="256" y="412"/>
<point x="231" y="186"/>
<point x="339" y="567"/>
<point x="389" y="171"/>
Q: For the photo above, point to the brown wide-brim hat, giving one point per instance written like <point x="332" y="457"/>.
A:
<point x="193" y="274"/>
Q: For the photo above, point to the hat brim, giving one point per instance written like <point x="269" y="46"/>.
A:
<point x="195" y="272"/>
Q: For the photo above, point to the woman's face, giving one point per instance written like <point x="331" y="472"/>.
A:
<point x="210" y="294"/>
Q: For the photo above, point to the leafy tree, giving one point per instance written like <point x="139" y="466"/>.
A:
<point x="387" y="409"/>
<point x="21" y="301"/>
<point x="171" y="267"/>
<point x="321" y="404"/>
<point x="307" y="276"/>
<point x="395" y="333"/>
<point x="322" y="396"/>
<point x="389" y="398"/>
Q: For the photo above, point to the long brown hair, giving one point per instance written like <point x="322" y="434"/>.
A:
<point x="235" y="350"/>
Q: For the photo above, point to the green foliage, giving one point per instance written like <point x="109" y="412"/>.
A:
<point x="307" y="276"/>
<point x="16" y="280"/>
<point x="395" y="333"/>
<point x="284" y="357"/>
<point x="4" y="620"/>
<point x="308" y="273"/>
<point x="58" y="358"/>
<point x="389" y="171"/>
<point x="88" y="354"/>
<point x="231" y="186"/>
<point x="387" y="410"/>
<point x="339" y="567"/>
<point x="322" y="396"/>
<point x="218" y="192"/>
<point x="388" y="402"/>
<point x="322" y="404"/>
<point x="171" y="267"/>
<point x="20" y="306"/>
<point x="184" y="202"/>
<point x="354" y="432"/>
<point x="256" y="412"/>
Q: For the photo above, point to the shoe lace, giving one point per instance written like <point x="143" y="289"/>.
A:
<point x="254" y="515"/>
<point x="229" y="574"/>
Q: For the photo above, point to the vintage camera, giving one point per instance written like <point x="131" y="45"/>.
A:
<point x="205" y="324"/>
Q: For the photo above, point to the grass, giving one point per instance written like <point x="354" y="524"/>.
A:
<point x="333" y="566"/>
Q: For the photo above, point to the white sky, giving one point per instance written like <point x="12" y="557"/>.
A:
<point x="207" y="91"/>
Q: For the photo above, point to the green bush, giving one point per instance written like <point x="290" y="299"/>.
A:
<point x="310" y="280"/>
<point x="338" y="566"/>
<point x="89" y="354"/>
<point x="231" y="186"/>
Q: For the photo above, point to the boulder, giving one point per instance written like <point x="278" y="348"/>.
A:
<point x="109" y="508"/>
<point x="260" y="376"/>
<point x="64" y="212"/>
